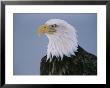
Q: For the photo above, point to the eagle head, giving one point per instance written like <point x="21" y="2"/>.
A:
<point x="62" y="38"/>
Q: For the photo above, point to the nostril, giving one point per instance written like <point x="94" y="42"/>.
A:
<point x="44" y="27"/>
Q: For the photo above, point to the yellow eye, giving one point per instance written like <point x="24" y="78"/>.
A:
<point x="53" y="26"/>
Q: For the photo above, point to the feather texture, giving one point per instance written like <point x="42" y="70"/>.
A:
<point x="64" y="56"/>
<point x="64" y="41"/>
<point x="83" y="63"/>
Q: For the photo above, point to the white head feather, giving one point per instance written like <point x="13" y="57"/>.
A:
<point x="63" y="41"/>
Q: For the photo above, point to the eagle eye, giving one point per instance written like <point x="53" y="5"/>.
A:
<point x="54" y="25"/>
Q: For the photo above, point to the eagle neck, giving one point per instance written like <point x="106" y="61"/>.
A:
<point x="60" y="45"/>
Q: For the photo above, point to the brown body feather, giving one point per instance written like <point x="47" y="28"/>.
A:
<point x="83" y="63"/>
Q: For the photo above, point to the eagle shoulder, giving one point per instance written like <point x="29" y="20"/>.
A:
<point x="83" y="63"/>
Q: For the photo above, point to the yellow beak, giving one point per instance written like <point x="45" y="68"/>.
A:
<point x="43" y="29"/>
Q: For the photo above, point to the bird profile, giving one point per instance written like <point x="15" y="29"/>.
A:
<point x="64" y="55"/>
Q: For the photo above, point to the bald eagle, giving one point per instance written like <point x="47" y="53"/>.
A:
<point x="64" y="55"/>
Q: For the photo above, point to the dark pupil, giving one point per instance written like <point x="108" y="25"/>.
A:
<point x="53" y="25"/>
